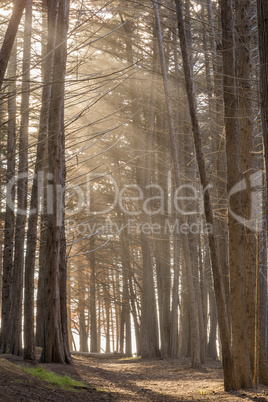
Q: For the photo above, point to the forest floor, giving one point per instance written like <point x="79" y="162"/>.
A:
<point x="122" y="380"/>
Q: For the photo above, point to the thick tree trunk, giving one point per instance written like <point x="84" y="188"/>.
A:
<point x="240" y="344"/>
<point x="56" y="348"/>
<point x="243" y="71"/>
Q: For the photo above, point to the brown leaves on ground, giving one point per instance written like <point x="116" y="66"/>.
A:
<point x="124" y="380"/>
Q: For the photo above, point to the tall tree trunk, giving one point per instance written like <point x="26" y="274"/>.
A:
<point x="36" y="195"/>
<point x="125" y="310"/>
<point x="56" y="348"/>
<point x="40" y="303"/>
<point x="9" y="214"/>
<point x="83" y="333"/>
<point x="92" y="298"/>
<point x="243" y="71"/>
<point x="175" y="300"/>
<point x="17" y="282"/>
<point x="240" y="344"/>
<point x="107" y="313"/>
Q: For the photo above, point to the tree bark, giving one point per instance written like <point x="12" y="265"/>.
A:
<point x="240" y="344"/>
<point x="56" y="348"/>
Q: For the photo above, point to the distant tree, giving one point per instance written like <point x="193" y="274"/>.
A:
<point x="8" y="254"/>
<point x="21" y="218"/>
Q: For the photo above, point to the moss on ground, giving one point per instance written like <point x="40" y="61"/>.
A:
<point x="63" y="382"/>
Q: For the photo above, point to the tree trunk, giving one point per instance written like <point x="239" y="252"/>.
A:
<point x="83" y="334"/>
<point x="17" y="282"/>
<point x="175" y="301"/>
<point x="36" y="196"/>
<point x="9" y="215"/>
<point x="243" y="71"/>
<point x="239" y="325"/>
<point x="92" y="299"/>
<point x="40" y="303"/>
<point x="56" y="348"/>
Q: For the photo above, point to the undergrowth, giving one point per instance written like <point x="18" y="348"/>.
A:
<point x="63" y="382"/>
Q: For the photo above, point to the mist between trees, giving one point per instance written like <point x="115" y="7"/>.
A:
<point x="133" y="181"/>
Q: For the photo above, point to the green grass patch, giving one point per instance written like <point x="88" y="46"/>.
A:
<point x="63" y="382"/>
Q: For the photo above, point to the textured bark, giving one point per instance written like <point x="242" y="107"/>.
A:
<point x="10" y="36"/>
<point x="221" y="188"/>
<point x="243" y="71"/>
<point x="56" y="348"/>
<point x="240" y="344"/>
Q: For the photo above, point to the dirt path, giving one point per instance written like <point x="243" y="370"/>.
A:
<point x="125" y="380"/>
